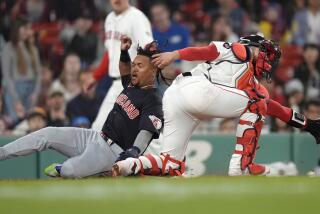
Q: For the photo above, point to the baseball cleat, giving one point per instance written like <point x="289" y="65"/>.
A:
<point x="53" y="170"/>
<point x="258" y="169"/>
<point x="313" y="127"/>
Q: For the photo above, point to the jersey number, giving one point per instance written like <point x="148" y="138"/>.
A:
<point x="197" y="153"/>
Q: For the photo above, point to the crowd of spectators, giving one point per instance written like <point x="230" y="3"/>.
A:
<point x="49" y="48"/>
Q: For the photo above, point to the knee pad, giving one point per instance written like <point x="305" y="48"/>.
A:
<point x="257" y="103"/>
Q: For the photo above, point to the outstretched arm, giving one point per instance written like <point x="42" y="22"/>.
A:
<point x="125" y="61"/>
<point x="207" y="53"/>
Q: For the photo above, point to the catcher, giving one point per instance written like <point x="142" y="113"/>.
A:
<point x="225" y="85"/>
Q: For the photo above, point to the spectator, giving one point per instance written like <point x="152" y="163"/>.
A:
<point x="21" y="70"/>
<point x="34" y="10"/>
<point x="103" y="8"/>
<point x="86" y="104"/>
<point x="68" y="82"/>
<point x="222" y="30"/>
<point x="273" y="25"/>
<point x="252" y="28"/>
<point x="306" y="24"/>
<point x="5" y="9"/>
<point x="85" y="43"/>
<point x="312" y="109"/>
<point x="279" y="126"/>
<point x="296" y="9"/>
<point x="46" y="82"/>
<point x="165" y="31"/>
<point x="170" y="35"/>
<point x="192" y="14"/>
<point x="230" y="8"/>
<point x="313" y="35"/>
<point x="81" y="122"/>
<point x="2" y="44"/>
<point x="309" y="72"/>
<point x="227" y="126"/>
<point x="36" y="119"/>
<point x="295" y="93"/>
<point x="56" y="108"/>
<point x="71" y="9"/>
<point x="5" y="121"/>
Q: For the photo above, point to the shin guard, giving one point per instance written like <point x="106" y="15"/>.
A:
<point x="248" y="133"/>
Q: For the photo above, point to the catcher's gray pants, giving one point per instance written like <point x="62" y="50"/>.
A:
<point x="89" y="152"/>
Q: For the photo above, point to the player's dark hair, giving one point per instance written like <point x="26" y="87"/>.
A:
<point x="149" y="50"/>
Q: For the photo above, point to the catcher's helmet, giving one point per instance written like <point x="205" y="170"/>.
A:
<point x="269" y="47"/>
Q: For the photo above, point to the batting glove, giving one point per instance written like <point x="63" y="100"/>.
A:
<point x="132" y="152"/>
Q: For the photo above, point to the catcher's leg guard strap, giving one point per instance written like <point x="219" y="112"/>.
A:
<point x="155" y="170"/>
<point x="149" y="165"/>
<point x="177" y="169"/>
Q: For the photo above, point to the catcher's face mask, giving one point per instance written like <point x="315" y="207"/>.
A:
<point x="272" y="54"/>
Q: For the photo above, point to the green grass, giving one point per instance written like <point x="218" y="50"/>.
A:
<point x="218" y="195"/>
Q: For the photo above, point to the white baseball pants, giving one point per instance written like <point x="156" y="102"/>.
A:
<point x="191" y="99"/>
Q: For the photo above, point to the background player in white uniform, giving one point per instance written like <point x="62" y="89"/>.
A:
<point x="123" y="20"/>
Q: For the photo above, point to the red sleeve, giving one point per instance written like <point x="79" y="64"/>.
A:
<point x="207" y="53"/>
<point x="277" y="110"/>
<point x="102" y="68"/>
